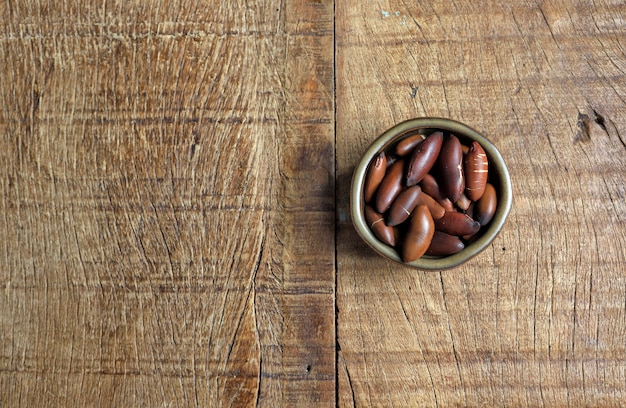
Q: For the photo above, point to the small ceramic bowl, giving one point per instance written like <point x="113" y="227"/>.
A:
<point x="498" y="176"/>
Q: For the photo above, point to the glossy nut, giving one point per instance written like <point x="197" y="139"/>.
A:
<point x="485" y="208"/>
<point x="450" y="168"/>
<point x="391" y="159"/>
<point x="406" y="145"/>
<point x="376" y="222"/>
<point x="456" y="223"/>
<point x="470" y="210"/>
<point x="436" y="210"/>
<point x="447" y="204"/>
<point x="444" y="244"/>
<point x="476" y="167"/>
<point x="403" y="205"/>
<point x="375" y="174"/>
<point x="431" y="187"/>
<point x="419" y="234"/>
<point x="463" y="202"/>
<point x="423" y="158"/>
<point x="390" y="187"/>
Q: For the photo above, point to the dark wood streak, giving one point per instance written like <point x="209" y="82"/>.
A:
<point x="157" y="246"/>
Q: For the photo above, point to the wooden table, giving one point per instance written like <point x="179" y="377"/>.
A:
<point x="175" y="230"/>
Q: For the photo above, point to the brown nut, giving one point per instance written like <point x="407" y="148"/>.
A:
<point x="436" y="210"/>
<point x="403" y="205"/>
<point x="476" y="167"/>
<point x="485" y="208"/>
<point x="375" y="174"/>
<point x="419" y="235"/>
<point x="456" y="223"/>
<point x="391" y="159"/>
<point x="376" y="222"/>
<point x="447" y="204"/>
<point x="430" y="187"/>
<point x="463" y="202"/>
<point x="450" y="168"/>
<point x="406" y="145"/>
<point x="390" y="187"/>
<point x="423" y="158"/>
<point x="444" y="244"/>
<point x="470" y="210"/>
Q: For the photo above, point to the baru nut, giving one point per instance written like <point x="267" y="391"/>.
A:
<point x="430" y="195"/>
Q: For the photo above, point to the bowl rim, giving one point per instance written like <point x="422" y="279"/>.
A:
<point x="390" y="137"/>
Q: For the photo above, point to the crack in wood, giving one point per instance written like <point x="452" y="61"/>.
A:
<point x="582" y="128"/>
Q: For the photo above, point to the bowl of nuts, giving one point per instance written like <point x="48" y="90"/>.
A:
<point x="430" y="193"/>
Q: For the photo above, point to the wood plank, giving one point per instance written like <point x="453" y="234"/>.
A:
<point x="539" y="318"/>
<point x="166" y="184"/>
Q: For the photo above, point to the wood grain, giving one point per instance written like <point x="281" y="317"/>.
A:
<point x="539" y="318"/>
<point x="174" y="225"/>
<point x="167" y="184"/>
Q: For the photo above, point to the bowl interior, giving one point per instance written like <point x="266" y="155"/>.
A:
<point x="498" y="176"/>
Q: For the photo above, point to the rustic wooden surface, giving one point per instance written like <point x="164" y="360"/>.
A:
<point x="174" y="224"/>
<point x="167" y="183"/>
<point x="538" y="319"/>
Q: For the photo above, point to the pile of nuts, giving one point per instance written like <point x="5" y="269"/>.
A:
<point x="429" y="195"/>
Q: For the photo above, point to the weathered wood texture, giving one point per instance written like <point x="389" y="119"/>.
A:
<point x="167" y="198"/>
<point x="167" y="203"/>
<point x="539" y="318"/>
